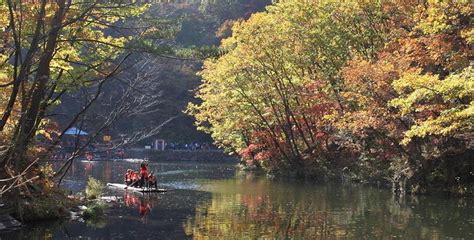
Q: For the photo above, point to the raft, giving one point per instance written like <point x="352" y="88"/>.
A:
<point x="125" y="187"/>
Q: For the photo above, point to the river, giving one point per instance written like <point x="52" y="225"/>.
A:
<point x="214" y="201"/>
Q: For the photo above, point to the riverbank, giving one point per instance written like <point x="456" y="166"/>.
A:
<point x="41" y="203"/>
<point x="450" y="175"/>
<point x="39" y="207"/>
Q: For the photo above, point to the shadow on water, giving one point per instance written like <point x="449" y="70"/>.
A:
<point x="211" y="201"/>
<point x="142" y="216"/>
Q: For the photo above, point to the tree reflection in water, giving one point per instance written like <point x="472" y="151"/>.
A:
<point x="249" y="209"/>
<point x="210" y="202"/>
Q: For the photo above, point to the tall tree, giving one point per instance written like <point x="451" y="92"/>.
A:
<point x="50" y="48"/>
<point x="389" y="84"/>
<point x="280" y="78"/>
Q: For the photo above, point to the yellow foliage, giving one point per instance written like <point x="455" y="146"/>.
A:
<point x="450" y="102"/>
<point x="443" y="16"/>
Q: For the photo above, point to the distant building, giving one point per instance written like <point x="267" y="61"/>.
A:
<point x="73" y="138"/>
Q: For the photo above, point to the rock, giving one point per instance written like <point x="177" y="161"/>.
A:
<point x="82" y="207"/>
<point x="8" y="223"/>
<point x="76" y="216"/>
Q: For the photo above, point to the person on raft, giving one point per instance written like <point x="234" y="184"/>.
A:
<point x="128" y="177"/>
<point x="152" y="181"/>
<point x="141" y="179"/>
<point x="132" y="178"/>
<point x="144" y="174"/>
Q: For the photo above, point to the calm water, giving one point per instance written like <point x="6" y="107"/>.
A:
<point x="212" y="201"/>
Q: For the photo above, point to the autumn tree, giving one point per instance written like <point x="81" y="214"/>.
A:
<point x="51" y="48"/>
<point x="272" y="95"/>
<point x="389" y="83"/>
<point x="412" y="92"/>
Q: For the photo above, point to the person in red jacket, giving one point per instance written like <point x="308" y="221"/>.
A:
<point x="144" y="173"/>
<point x="152" y="181"/>
<point x="128" y="177"/>
<point x="135" y="179"/>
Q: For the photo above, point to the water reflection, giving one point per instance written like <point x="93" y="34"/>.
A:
<point x="209" y="201"/>
<point x="249" y="208"/>
<point x="142" y="202"/>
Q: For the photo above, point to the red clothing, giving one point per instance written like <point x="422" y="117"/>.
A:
<point x="152" y="179"/>
<point x="127" y="177"/>
<point x="143" y="208"/>
<point x="144" y="171"/>
<point x="134" y="176"/>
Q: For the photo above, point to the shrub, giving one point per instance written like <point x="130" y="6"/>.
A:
<point x="94" y="211"/>
<point x="94" y="188"/>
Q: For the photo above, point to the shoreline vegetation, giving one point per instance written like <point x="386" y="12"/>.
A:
<point x="55" y="203"/>
<point x="365" y="91"/>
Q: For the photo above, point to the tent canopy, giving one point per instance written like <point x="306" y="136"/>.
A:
<point x="75" y="131"/>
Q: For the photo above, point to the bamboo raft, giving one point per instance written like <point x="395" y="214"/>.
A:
<point x="136" y="189"/>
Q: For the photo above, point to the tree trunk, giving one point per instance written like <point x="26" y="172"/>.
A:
<point x="29" y="121"/>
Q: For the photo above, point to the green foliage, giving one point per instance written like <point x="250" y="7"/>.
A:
<point x="94" y="211"/>
<point x="448" y="103"/>
<point x="86" y="43"/>
<point x="329" y="86"/>
<point x="94" y="188"/>
<point x="296" y="47"/>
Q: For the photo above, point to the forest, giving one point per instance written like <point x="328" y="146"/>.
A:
<point x="121" y="69"/>
<point x="365" y="91"/>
